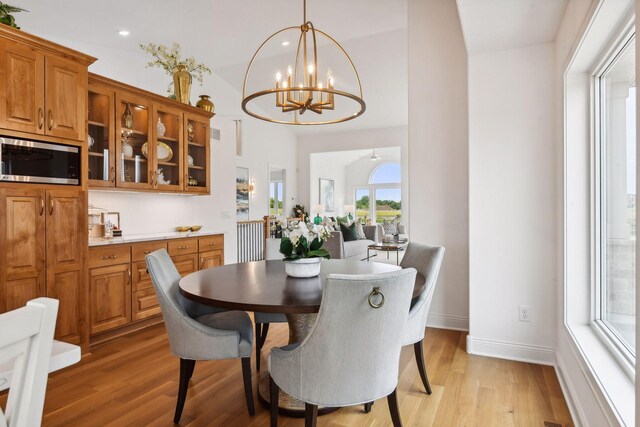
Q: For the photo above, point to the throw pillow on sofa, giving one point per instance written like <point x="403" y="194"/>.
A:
<point x="390" y="227"/>
<point x="360" y="230"/>
<point x="343" y="220"/>
<point x="348" y="232"/>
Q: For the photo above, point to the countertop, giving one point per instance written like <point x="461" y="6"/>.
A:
<point x="133" y="238"/>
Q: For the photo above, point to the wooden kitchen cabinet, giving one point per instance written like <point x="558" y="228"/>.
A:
<point x="110" y="301"/>
<point x="122" y="295"/>
<point x="43" y="86"/>
<point x="22" y="88"/>
<point x="186" y="264"/>
<point x="43" y="236"/>
<point x="23" y="243"/>
<point x="211" y="259"/>
<point x="65" y="98"/>
<point x="66" y="236"/>
<point x="165" y="137"/>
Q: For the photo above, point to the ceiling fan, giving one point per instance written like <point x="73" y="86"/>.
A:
<point x="375" y="156"/>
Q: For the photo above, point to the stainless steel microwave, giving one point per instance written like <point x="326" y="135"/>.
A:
<point x="23" y="160"/>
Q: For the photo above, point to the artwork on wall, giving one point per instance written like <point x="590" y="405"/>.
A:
<point x="242" y="193"/>
<point x="327" y="194"/>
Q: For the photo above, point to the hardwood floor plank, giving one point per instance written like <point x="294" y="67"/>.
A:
<point x="133" y="381"/>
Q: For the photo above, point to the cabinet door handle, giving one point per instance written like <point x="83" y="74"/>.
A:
<point x="41" y="205"/>
<point x="129" y="272"/>
<point x="183" y="247"/>
<point x="50" y="119"/>
<point x="113" y="174"/>
<point x="51" y="206"/>
<point x="201" y="263"/>
<point x="211" y="244"/>
<point x="147" y="252"/>
<point x="40" y="118"/>
<point x="109" y="257"/>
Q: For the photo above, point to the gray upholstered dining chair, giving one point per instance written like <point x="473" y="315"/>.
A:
<point x="197" y="331"/>
<point x="426" y="260"/>
<point x="343" y="366"/>
<point x="263" y="320"/>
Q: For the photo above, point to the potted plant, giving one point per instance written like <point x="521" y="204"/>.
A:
<point x="182" y="70"/>
<point x="299" y="211"/>
<point x="302" y="249"/>
<point x="6" y="16"/>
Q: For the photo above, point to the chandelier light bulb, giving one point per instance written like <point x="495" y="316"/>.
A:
<point x="289" y="70"/>
<point x="278" y="76"/>
<point x="310" y="68"/>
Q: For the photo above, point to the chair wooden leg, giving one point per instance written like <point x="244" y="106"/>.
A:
<point x="419" y="350"/>
<point x="248" y="390"/>
<point x="392" y="400"/>
<point x="262" y="329"/>
<point x="191" y="367"/>
<point x="274" y="400"/>
<point x="367" y="407"/>
<point x="186" y="366"/>
<point x="310" y="415"/>
<point x="258" y="346"/>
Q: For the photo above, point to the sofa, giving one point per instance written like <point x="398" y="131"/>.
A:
<point x="354" y="250"/>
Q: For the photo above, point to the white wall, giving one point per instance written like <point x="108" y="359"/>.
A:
<point x="264" y="144"/>
<point x="438" y="151"/>
<point x="346" y="141"/>
<point x="327" y="166"/>
<point x="512" y="203"/>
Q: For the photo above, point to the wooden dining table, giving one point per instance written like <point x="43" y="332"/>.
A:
<point x="264" y="286"/>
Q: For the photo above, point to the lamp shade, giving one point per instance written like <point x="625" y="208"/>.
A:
<point x="349" y="208"/>
<point x="318" y="209"/>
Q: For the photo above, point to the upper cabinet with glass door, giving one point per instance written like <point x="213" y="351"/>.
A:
<point x="168" y="166"/>
<point x="145" y="142"/>
<point x="197" y="154"/>
<point x="134" y="148"/>
<point x="101" y="142"/>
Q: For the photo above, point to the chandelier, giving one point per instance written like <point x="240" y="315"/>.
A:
<point x="306" y="95"/>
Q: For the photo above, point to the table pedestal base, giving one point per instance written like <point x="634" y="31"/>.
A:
<point x="299" y="327"/>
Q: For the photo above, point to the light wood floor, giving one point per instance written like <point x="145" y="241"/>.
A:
<point x="132" y="381"/>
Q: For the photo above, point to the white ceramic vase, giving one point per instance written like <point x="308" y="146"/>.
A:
<point x="303" y="267"/>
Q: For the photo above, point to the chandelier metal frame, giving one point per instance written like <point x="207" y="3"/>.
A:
<point x="307" y="94"/>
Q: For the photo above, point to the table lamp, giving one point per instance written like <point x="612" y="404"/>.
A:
<point x="318" y="209"/>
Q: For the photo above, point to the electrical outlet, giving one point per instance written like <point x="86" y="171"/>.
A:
<point x="525" y="313"/>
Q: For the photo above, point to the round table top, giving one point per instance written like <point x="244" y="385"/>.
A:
<point x="264" y="285"/>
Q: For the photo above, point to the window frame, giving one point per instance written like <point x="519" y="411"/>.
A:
<point x="614" y="343"/>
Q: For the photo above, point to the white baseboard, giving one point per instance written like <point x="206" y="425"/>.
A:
<point x="511" y="351"/>
<point x="577" y="414"/>
<point x="443" y="321"/>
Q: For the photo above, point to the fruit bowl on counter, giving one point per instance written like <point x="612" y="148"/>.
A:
<point x="183" y="229"/>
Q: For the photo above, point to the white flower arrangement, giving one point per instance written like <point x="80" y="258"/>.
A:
<point x="302" y="241"/>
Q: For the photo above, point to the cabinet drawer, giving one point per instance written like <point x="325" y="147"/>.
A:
<point x="211" y="243"/>
<point x="183" y="246"/>
<point x="185" y="264"/>
<point x="140" y="250"/>
<point x="111" y="255"/>
<point x="141" y="279"/>
<point x="144" y="304"/>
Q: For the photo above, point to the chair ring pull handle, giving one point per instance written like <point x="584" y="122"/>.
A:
<point x="374" y="292"/>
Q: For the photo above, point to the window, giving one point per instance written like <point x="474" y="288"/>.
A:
<point x="362" y="203"/>
<point x="615" y="199"/>
<point x="276" y="191"/>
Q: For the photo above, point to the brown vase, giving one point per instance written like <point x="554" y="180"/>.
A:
<point x="205" y="103"/>
<point x="182" y="84"/>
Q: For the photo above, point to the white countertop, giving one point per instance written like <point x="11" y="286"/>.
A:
<point x="133" y="238"/>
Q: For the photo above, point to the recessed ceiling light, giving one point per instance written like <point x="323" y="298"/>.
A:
<point x="285" y="43"/>
<point x="124" y="33"/>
